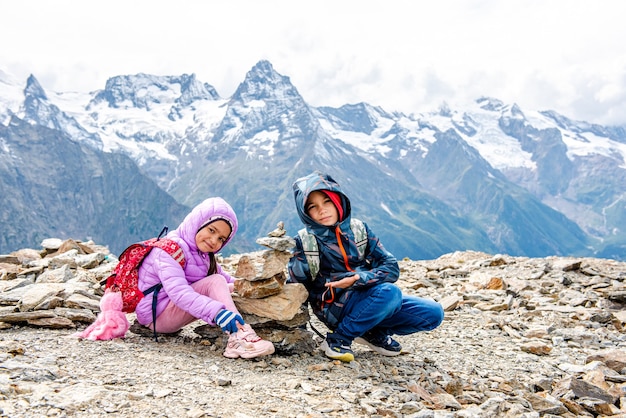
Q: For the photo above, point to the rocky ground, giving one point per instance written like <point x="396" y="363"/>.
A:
<point x="522" y="338"/>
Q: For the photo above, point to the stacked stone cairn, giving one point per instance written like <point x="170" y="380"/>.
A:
<point x="275" y="309"/>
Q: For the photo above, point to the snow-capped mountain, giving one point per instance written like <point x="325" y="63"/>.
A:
<point x="52" y="186"/>
<point x="492" y="177"/>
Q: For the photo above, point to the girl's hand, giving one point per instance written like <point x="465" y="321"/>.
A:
<point x="229" y="321"/>
<point x="343" y="283"/>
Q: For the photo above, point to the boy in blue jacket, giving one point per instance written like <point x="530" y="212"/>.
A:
<point x="353" y="295"/>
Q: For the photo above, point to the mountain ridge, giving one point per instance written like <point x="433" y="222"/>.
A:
<point x="492" y="178"/>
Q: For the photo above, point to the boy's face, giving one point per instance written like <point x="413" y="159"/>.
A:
<point x="321" y="209"/>
<point x="211" y="238"/>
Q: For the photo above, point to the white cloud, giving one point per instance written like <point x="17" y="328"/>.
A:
<point x="566" y="55"/>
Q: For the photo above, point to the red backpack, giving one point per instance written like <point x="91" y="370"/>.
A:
<point x="125" y="275"/>
<point x="122" y="293"/>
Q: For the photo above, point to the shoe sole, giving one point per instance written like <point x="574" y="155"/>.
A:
<point x="251" y="354"/>
<point x="345" y="357"/>
<point x="379" y="350"/>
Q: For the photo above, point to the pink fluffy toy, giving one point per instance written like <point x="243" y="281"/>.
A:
<point x="111" y="321"/>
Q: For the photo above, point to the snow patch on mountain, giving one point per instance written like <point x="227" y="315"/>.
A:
<point x="140" y="130"/>
<point x="262" y="141"/>
<point x="594" y="144"/>
<point x="500" y="150"/>
<point x="582" y="142"/>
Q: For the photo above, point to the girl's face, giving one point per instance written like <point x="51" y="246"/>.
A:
<point x="321" y="209"/>
<point x="211" y="238"/>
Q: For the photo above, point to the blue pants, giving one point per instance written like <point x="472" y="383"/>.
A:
<point x="383" y="309"/>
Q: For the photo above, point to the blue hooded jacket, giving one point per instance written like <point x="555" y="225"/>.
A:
<point x="377" y="266"/>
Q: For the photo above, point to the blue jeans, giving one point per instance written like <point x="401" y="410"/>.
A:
<point x="383" y="309"/>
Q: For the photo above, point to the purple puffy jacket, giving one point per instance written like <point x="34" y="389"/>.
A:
<point x="159" y="266"/>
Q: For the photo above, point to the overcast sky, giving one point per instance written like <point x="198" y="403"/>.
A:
<point x="409" y="55"/>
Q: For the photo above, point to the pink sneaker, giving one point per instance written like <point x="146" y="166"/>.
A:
<point x="246" y="344"/>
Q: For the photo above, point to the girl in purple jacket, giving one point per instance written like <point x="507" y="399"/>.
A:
<point x="202" y="290"/>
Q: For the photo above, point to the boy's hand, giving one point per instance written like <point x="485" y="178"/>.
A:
<point x="344" y="283"/>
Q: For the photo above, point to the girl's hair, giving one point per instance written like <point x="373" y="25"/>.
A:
<point x="213" y="264"/>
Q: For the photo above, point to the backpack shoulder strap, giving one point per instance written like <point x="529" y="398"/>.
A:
<point x="311" y="251"/>
<point x="360" y="235"/>
<point x="170" y="247"/>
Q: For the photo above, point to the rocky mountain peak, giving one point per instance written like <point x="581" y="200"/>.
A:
<point x="262" y="82"/>
<point x="490" y="103"/>
<point x="359" y="117"/>
<point x="268" y="105"/>
<point x="38" y="110"/>
<point x="144" y="91"/>
<point x="192" y="89"/>
<point x="33" y="89"/>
